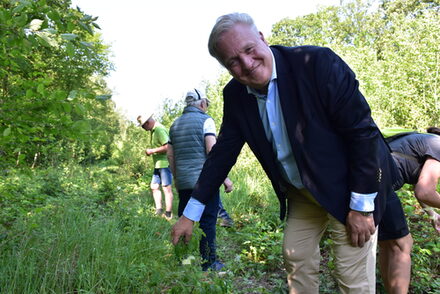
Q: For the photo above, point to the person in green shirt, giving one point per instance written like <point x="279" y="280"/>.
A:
<point x="161" y="173"/>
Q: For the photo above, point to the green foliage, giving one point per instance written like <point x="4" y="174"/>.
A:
<point x="51" y="64"/>
<point x="185" y="253"/>
<point x="388" y="132"/>
<point x="73" y="241"/>
<point x="128" y="149"/>
<point x="392" y="46"/>
<point x="82" y="219"/>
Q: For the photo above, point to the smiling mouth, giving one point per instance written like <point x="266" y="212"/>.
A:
<point x="252" y="71"/>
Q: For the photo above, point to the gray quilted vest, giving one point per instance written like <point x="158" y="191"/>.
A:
<point x="188" y="141"/>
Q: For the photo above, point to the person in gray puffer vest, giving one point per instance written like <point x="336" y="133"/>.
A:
<point x="192" y="136"/>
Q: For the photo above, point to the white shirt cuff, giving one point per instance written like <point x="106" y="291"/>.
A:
<point x="362" y="202"/>
<point x="194" y="209"/>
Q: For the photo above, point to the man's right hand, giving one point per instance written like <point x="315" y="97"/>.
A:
<point x="182" y="228"/>
<point x="359" y="228"/>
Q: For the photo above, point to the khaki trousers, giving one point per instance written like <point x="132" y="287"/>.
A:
<point x="306" y="223"/>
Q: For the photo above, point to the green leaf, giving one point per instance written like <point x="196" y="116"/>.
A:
<point x="18" y="9"/>
<point x="44" y="40"/>
<point x="53" y="15"/>
<point x="21" y="157"/>
<point x="20" y="20"/>
<point x="72" y="95"/>
<point x="40" y="89"/>
<point x="82" y="126"/>
<point x="67" y="107"/>
<point x="104" y="97"/>
<point x="69" y="37"/>
<point x="86" y="44"/>
<point x="96" y="25"/>
<point x="6" y="132"/>
<point x="79" y="109"/>
<point x="50" y="31"/>
<point x="70" y="49"/>
<point x="29" y="93"/>
<point x="86" y="27"/>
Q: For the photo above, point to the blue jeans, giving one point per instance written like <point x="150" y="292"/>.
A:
<point x="207" y="223"/>
<point x="162" y="176"/>
<point x="222" y="213"/>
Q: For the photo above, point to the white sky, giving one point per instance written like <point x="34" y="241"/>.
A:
<point x="159" y="48"/>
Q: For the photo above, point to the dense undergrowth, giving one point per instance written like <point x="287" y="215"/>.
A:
<point x="92" y="229"/>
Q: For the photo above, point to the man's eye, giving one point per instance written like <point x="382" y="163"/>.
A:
<point x="232" y="63"/>
<point x="249" y="50"/>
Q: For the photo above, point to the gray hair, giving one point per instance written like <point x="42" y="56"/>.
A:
<point x="223" y="24"/>
<point x="196" y="103"/>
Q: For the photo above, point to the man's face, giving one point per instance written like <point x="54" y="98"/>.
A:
<point x="148" y="125"/>
<point x="246" y="55"/>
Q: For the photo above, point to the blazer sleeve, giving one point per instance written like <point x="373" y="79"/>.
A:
<point x="223" y="154"/>
<point x="350" y="115"/>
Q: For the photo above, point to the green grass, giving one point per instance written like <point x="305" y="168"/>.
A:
<point x="93" y="230"/>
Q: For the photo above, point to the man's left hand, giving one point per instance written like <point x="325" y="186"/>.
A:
<point x="359" y="228"/>
<point x="149" y="152"/>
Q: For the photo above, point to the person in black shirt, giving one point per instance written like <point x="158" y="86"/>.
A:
<point x="417" y="157"/>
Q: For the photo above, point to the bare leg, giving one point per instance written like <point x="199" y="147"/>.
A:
<point x="157" y="195"/>
<point x="167" y="190"/>
<point x="395" y="264"/>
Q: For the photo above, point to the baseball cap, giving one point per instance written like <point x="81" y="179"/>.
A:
<point x="144" y="118"/>
<point x="194" y="95"/>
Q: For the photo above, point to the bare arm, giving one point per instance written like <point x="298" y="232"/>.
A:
<point x="161" y="149"/>
<point x="210" y="141"/>
<point x="170" y="156"/>
<point x="426" y="187"/>
<point x="426" y="190"/>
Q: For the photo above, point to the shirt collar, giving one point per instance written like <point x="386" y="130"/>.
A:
<point x="272" y="78"/>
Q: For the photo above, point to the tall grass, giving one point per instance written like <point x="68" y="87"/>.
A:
<point x="93" y="230"/>
<point x="80" y="244"/>
<point x="71" y="250"/>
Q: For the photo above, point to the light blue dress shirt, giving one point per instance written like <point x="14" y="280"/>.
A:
<point x="273" y="121"/>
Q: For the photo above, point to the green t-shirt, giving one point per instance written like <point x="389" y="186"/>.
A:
<point x="159" y="137"/>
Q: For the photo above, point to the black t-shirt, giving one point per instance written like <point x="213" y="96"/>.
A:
<point x="410" y="153"/>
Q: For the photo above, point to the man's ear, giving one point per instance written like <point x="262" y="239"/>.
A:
<point x="263" y="39"/>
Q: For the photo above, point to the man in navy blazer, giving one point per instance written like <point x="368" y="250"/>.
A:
<point x="300" y="111"/>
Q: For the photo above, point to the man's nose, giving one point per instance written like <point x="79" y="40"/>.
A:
<point x="247" y="63"/>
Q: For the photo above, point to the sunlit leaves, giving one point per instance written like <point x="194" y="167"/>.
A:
<point x="49" y="57"/>
<point x="394" y="48"/>
<point x="35" y="24"/>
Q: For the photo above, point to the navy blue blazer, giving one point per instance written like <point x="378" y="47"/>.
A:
<point x="336" y="144"/>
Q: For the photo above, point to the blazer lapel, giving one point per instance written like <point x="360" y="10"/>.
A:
<point x="288" y="99"/>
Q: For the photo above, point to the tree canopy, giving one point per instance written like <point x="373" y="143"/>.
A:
<point x="52" y="94"/>
<point x="392" y="46"/>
